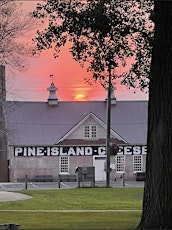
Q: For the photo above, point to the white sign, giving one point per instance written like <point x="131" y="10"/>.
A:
<point x="32" y="151"/>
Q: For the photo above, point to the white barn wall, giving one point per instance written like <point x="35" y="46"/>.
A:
<point x="49" y="165"/>
<point x="31" y="166"/>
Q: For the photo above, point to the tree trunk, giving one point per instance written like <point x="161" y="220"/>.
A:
<point x="157" y="201"/>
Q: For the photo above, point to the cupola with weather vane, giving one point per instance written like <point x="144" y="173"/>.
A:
<point x="52" y="99"/>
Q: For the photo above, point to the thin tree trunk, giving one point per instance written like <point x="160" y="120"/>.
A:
<point x="157" y="201"/>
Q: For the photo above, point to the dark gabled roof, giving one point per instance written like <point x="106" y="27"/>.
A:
<point x="37" y="123"/>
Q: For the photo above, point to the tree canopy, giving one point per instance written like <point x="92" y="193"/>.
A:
<point x="106" y="35"/>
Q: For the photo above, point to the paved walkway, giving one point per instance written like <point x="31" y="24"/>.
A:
<point x="12" y="196"/>
<point x="68" y="211"/>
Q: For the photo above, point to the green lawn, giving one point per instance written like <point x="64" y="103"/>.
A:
<point x="58" y="209"/>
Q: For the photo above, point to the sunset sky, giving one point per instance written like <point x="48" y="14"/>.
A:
<point x="32" y="84"/>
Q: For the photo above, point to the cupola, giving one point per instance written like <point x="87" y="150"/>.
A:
<point x="52" y="100"/>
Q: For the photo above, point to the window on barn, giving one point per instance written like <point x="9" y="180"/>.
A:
<point x="93" y="131"/>
<point x="87" y="131"/>
<point x="137" y="163"/>
<point x="64" y="164"/>
<point x="90" y="131"/>
<point x="120" y="163"/>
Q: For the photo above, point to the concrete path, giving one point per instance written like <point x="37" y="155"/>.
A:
<point x="68" y="211"/>
<point x="12" y="196"/>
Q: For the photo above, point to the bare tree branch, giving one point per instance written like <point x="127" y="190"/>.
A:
<point x="15" y="26"/>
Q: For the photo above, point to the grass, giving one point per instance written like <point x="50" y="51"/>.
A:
<point x="33" y="214"/>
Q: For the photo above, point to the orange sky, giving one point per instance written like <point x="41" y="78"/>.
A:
<point x="68" y="77"/>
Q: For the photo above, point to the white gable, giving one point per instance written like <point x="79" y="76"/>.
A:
<point x="77" y="132"/>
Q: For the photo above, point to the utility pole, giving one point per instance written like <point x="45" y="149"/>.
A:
<point x="3" y="133"/>
<point x="108" y="129"/>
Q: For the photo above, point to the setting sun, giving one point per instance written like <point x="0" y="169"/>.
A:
<point x="80" y="97"/>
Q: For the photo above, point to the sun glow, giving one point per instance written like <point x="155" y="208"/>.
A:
<point x="80" y="97"/>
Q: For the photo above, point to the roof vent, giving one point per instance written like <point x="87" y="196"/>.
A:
<point x="52" y="100"/>
<point x="112" y="96"/>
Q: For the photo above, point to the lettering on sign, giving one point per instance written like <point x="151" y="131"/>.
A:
<point x="35" y="151"/>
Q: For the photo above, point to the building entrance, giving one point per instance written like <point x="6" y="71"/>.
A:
<point x="99" y="164"/>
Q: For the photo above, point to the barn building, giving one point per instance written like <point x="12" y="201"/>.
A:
<point x="56" y="137"/>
